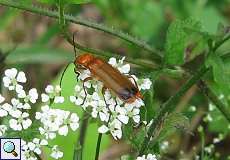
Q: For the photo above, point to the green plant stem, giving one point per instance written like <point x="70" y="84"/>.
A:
<point x="37" y="156"/>
<point x="54" y="14"/>
<point x="212" y="97"/>
<point x="218" y="44"/>
<point x="202" y="136"/>
<point x="3" y="57"/>
<point x="78" y="152"/>
<point x="108" y="54"/>
<point x="2" y="65"/>
<point x="168" y="106"/>
<point x="98" y="146"/>
<point x="91" y="50"/>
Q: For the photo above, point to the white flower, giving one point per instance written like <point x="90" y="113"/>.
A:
<point x="208" y="118"/>
<point x="133" y="112"/>
<point x="28" y="155"/>
<point x="56" y="153"/>
<point x="11" y="79"/>
<point x="211" y="107"/>
<point x="16" y="104"/>
<point x="58" y="99"/>
<point x="43" y="115"/>
<point x="164" y="145"/>
<point x="119" y="113"/>
<point x="76" y="100"/>
<point x="124" y="69"/>
<point x="84" y="74"/>
<point x="120" y="66"/>
<point x="26" y="152"/>
<point x="3" y="129"/>
<point x="14" y="109"/>
<point x="36" y="145"/>
<point x="113" y="61"/>
<point x="103" y="129"/>
<point x="209" y="149"/>
<point x="47" y="132"/>
<point x="2" y="99"/>
<point x="45" y="97"/>
<point x="21" y="122"/>
<point x="101" y="110"/>
<point x="192" y="108"/>
<point x="72" y="121"/>
<point x="148" y="157"/>
<point x="145" y="84"/>
<point x="114" y="128"/>
<point x="52" y="93"/>
<point x="50" y="117"/>
<point x="218" y="139"/>
<point x="31" y="97"/>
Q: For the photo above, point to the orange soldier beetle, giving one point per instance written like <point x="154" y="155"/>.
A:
<point x="111" y="77"/>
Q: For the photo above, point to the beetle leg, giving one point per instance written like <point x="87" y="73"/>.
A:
<point x="85" y="80"/>
<point x="74" y="47"/>
<point x="103" y="93"/>
<point x="129" y="76"/>
<point x="63" y="73"/>
<point x="77" y="73"/>
<point x="116" y="102"/>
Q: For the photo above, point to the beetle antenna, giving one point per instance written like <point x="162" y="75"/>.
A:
<point x="74" y="47"/>
<point x="63" y="73"/>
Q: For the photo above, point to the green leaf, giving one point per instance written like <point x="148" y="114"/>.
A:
<point x="66" y="1"/>
<point x="173" y="122"/>
<point x="138" y="138"/>
<point x="132" y="136"/>
<point x="68" y="84"/>
<point x="221" y="73"/>
<point x="219" y="122"/>
<point x="46" y="37"/>
<point x="38" y="54"/>
<point x="48" y="1"/>
<point x="182" y="43"/>
<point x="78" y="1"/>
<point x="148" y="111"/>
<point x="8" y="17"/>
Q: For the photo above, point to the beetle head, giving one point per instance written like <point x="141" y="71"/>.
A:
<point x="132" y="99"/>
<point x="84" y="60"/>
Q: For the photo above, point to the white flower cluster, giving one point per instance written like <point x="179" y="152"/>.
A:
<point x="17" y="112"/>
<point x="31" y="148"/>
<point x="147" y="157"/>
<point x="56" y="120"/>
<point x="111" y="111"/>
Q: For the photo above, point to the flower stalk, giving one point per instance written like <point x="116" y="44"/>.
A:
<point x="78" y="152"/>
<point x="212" y="97"/>
<point x="98" y="146"/>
